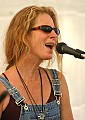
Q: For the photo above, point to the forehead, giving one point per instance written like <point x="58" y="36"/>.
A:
<point x="44" y="19"/>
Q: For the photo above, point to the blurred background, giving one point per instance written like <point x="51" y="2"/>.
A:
<point x="71" y="16"/>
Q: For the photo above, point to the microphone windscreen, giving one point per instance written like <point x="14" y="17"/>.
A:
<point x="59" y="47"/>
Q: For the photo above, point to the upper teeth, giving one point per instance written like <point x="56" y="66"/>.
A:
<point x="50" y="44"/>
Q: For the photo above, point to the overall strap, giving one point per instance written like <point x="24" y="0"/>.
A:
<point x="12" y="91"/>
<point x="56" y="85"/>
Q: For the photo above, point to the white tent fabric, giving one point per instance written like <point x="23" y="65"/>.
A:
<point x="71" y="14"/>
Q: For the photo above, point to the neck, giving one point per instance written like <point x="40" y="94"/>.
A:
<point x="29" y="68"/>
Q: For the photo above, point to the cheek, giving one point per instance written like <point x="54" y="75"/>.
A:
<point x="37" y="40"/>
<point x="34" y="45"/>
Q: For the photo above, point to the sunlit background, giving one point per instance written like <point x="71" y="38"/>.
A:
<point x="71" y="16"/>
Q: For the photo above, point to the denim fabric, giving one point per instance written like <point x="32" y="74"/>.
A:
<point x="51" y="110"/>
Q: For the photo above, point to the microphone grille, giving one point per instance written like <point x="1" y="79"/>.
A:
<point x="59" y="47"/>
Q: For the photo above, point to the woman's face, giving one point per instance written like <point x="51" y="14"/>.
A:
<point x="41" y="43"/>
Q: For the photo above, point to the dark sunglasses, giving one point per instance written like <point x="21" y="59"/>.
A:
<point x="47" y="29"/>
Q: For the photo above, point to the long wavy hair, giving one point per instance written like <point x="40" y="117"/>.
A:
<point x="18" y="29"/>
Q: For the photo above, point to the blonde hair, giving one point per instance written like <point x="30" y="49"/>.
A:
<point x="18" y="29"/>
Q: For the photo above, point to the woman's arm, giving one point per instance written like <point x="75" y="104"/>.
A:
<point x="66" y="112"/>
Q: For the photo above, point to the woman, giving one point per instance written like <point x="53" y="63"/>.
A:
<point x="34" y="92"/>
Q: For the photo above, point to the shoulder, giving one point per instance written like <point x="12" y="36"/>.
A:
<point x="61" y="77"/>
<point x="55" y="73"/>
<point x="2" y="88"/>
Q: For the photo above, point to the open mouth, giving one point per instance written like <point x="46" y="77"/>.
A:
<point x="49" y="45"/>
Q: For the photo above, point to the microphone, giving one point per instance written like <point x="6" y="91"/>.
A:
<point x="62" y="48"/>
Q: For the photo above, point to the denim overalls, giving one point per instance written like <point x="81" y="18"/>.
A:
<point x="51" y="110"/>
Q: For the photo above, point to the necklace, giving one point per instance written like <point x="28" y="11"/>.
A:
<point x="41" y="116"/>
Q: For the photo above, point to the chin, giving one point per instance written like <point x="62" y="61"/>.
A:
<point x="48" y="58"/>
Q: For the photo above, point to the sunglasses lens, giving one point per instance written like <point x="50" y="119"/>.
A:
<point x="57" y="31"/>
<point x="46" y="28"/>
